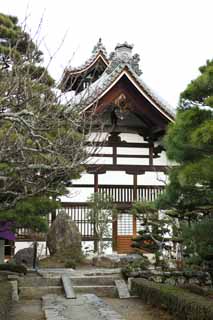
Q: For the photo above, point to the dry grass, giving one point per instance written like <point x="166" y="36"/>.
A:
<point x="51" y="262"/>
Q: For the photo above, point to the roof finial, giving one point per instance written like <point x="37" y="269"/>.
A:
<point x="123" y="55"/>
<point x="99" y="47"/>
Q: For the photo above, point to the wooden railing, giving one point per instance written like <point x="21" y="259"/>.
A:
<point x="122" y="195"/>
<point x="130" y="194"/>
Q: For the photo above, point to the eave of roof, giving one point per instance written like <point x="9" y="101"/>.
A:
<point x="88" y="64"/>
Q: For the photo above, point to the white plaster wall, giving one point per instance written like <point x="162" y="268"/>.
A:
<point x="85" y="178"/>
<point x="133" y="151"/>
<point x="77" y="195"/>
<point x="132" y="137"/>
<point x="162" y="160"/>
<point x="115" y="178"/>
<point x="118" y="177"/>
<point x="133" y="161"/>
<point x="98" y="136"/>
<point x="152" y="178"/>
<point x="99" y="160"/>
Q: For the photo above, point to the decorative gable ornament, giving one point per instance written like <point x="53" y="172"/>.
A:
<point x="123" y="55"/>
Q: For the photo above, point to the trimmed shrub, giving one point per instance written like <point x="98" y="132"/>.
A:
<point x="195" y="289"/>
<point x="182" y="304"/>
<point x="13" y="268"/>
<point x="135" y="266"/>
<point x="5" y="299"/>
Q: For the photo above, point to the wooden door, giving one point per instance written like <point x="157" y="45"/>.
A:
<point x="126" y="229"/>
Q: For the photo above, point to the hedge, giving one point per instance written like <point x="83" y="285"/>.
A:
<point x="13" y="268"/>
<point x="5" y="299"/>
<point x="180" y="303"/>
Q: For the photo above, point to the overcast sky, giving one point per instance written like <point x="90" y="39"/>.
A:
<point x="173" y="37"/>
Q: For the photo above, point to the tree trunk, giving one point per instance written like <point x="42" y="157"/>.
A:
<point x="2" y="250"/>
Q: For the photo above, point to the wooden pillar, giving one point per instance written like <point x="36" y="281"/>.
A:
<point x="151" y="148"/>
<point x="135" y="183"/>
<point x="114" y="234"/>
<point x="2" y="242"/>
<point x="95" y="182"/>
<point x="53" y="212"/>
<point x="114" y="155"/>
<point x="95" y="190"/>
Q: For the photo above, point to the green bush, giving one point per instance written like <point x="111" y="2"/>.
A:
<point x="136" y="265"/>
<point x="5" y="299"/>
<point x="70" y="264"/>
<point x="13" y="268"/>
<point x="182" y="304"/>
<point x="194" y="288"/>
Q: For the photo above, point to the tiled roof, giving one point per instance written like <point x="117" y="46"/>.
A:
<point x="121" y="62"/>
<point x="97" y="50"/>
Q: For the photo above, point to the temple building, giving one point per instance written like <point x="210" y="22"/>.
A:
<point x="129" y="163"/>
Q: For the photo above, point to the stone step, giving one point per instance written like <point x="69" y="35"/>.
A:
<point x="39" y="282"/>
<point x="76" y="280"/>
<point x="38" y="292"/>
<point x="100" y="291"/>
<point x="107" y="280"/>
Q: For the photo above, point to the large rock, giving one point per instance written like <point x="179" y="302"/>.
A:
<point x="24" y="257"/>
<point x="64" y="239"/>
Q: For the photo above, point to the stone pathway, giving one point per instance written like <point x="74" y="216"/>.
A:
<point x="84" y="307"/>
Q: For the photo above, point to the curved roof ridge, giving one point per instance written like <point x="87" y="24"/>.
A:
<point x="98" y="51"/>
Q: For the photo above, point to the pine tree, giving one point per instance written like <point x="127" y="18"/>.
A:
<point x="189" y="143"/>
<point x="155" y="234"/>
<point x="200" y="90"/>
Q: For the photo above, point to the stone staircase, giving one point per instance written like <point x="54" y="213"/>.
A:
<point x="102" y="283"/>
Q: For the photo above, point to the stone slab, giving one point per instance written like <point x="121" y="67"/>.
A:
<point x="84" y="307"/>
<point x="14" y="285"/>
<point x="68" y="287"/>
<point x="122" y="288"/>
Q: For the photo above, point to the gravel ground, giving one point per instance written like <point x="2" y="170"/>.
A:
<point x="135" y="309"/>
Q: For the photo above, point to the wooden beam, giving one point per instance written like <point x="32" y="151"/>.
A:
<point x="80" y="185"/>
<point x="91" y="168"/>
<point x="122" y="144"/>
<point x="114" y="155"/>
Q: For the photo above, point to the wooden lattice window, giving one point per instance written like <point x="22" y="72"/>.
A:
<point x="125" y="224"/>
